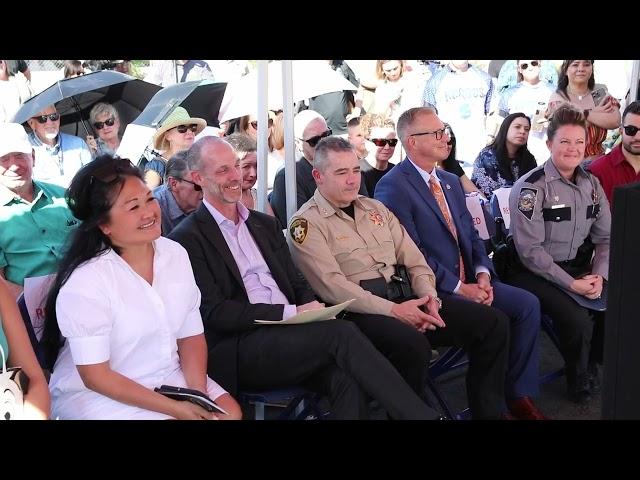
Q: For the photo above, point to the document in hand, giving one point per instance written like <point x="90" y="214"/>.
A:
<point x="327" y="313"/>
<point x="193" y="396"/>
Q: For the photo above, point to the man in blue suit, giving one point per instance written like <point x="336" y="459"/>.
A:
<point x="430" y="204"/>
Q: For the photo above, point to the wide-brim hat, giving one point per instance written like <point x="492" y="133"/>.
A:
<point x="179" y="116"/>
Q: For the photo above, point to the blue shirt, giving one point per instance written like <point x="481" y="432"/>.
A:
<point x="59" y="163"/>
<point x="172" y="215"/>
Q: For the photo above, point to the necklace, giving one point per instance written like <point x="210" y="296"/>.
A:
<point x="580" y="97"/>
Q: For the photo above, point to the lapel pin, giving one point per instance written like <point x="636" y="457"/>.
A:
<point x="448" y="186"/>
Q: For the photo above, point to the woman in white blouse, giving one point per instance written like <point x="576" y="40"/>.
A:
<point x="126" y="302"/>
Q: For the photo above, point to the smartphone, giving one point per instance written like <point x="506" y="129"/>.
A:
<point x="598" y="95"/>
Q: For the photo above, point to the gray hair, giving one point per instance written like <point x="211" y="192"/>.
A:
<point x="194" y="154"/>
<point x="176" y="166"/>
<point x="242" y="143"/>
<point x="101" y="108"/>
<point x="329" y="145"/>
<point x="408" y="117"/>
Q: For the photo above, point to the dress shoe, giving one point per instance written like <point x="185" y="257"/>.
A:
<point x="523" y="408"/>
<point x="594" y="378"/>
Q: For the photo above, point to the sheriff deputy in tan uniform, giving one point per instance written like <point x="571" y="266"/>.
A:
<point x="560" y="222"/>
<point x="352" y="247"/>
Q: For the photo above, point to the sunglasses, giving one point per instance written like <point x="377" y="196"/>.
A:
<point x="196" y="187"/>
<point x="630" y="130"/>
<point x="534" y="63"/>
<point x="438" y="133"/>
<point x="183" y="128"/>
<point x="381" y="142"/>
<point x="110" y="171"/>
<point x="108" y="122"/>
<point x="313" y="141"/>
<point x="254" y="124"/>
<point x="54" y="117"/>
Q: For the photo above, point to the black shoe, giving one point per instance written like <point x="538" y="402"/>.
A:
<point x="580" y="392"/>
<point x="594" y="378"/>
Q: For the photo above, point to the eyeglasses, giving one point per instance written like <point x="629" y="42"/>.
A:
<point x="196" y="187"/>
<point x="534" y="63"/>
<point x="110" y="171"/>
<point x="183" y="128"/>
<point x="381" y="142"/>
<point x="313" y="141"/>
<point x="631" y="130"/>
<point x="108" y="122"/>
<point x="54" y="117"/>
<point x="254" y="124"/>
<point x="438" y="133"/>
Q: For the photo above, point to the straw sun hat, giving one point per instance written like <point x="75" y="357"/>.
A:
<point x="179" y="116"/>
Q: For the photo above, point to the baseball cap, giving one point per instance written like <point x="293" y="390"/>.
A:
<point x="13" y="138"/>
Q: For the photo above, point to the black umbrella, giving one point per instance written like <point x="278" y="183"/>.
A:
<point x="201" y="98"/>
<point x="75" y="97"/>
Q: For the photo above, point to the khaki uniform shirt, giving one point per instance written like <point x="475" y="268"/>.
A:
<point x="336" y="252"/>
<point x="551" y="217"/>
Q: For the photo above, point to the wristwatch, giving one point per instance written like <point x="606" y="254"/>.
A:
<point x="439" y="303"/>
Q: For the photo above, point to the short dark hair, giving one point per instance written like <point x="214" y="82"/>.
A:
<point x="633" y="107"/>
<point x="566" y="115"/>
<point x="327" y="145"/>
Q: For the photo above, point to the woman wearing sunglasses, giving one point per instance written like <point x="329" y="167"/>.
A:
<point x="127" y="306"/>
<point x="507" y="158"/>
<point x="379" y="131"/>
<point x="177" y="133"/>
<point x="105" y="121"/>
<point x="577" y="87"/>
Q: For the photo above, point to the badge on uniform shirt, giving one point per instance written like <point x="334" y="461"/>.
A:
<point x="527" y="201"/>
<point x="298" y="230"/>
<point x="376" y="218"/>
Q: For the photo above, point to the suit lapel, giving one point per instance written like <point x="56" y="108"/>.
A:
<point x="261" y="237"/>
<point x="211" y="231"/>
<point x="418" y="183"/>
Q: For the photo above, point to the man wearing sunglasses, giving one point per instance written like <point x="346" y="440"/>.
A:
<point x="309" y="127"/>
<point x="34" y="215"/>
<point x="622" y="164"/>
<point x="58" y="156"/>
<point x="179" y="195"/>
<point x="430" y="204"/>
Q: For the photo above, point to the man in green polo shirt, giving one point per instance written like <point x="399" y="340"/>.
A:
<point x="34" y="218"/>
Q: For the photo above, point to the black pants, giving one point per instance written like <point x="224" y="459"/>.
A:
<point x="333" y="357"/>
<point x="483" y="332"/>
<point x="581" y="341"/>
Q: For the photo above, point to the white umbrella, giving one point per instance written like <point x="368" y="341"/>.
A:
<point x="310" y="79"/>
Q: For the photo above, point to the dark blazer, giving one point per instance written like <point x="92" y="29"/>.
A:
<point x="225" y="308"/>
<point x="407" y="195"/>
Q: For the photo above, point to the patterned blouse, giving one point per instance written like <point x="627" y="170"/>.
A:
<point x="486" y="175"/>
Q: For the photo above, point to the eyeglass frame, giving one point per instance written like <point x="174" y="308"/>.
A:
<point x="438" y="133"/>
<point x="42" y="119"/>
<point x="196" y="187"/>
<point x="534" y="63"/>
<point x="313" y="141"/>
<point x="109" y="122"/>
<point x="192" y="126"/>
<point x="632" y="127"/>
<point x="384" y="142"/>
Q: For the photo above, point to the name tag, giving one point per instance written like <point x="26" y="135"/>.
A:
<point x="560" y="214"/>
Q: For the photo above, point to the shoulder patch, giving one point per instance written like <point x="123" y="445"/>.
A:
<point x="527" y="201"/>
<point x="298" y="230"/>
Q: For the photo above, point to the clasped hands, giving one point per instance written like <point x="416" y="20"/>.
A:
<point x="590" y="286"/>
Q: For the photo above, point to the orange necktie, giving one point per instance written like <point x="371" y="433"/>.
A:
<point x="438" y="194"/>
